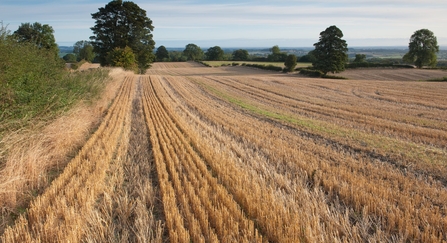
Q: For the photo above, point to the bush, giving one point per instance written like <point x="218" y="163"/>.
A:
<point x="290" y="63"/>
<point x="268" y="67"/>
<point x="70" y="58"/>
<point x="371" y="65"/>
<point x="403" y="66"/>
<point x="34" y="84"/>
<point x="443" y="79"/>
<point x="333" y="77"/>
<point x="205" y="64"/>
<point x="366" y="65"/>
<point x="123" y="57"/>
<point x="312" y="73"/>
<point x="74" y="66"/>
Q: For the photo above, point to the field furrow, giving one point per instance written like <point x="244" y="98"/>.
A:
<point x="211" y="213"/>
<point x="194" y="154"/>
<point x="367" y="199"/>
<point x="87" y="202"/>
<point x="349" y="130"/>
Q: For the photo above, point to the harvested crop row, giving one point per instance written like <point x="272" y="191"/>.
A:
<point x="61" y="213"/>
<point x="283" y="208"/>
<point x="390" y="204"/>
<point x="415" y="144"/>
<point x="196" y="206"/>
<point x="278" y="216"/>
<point x="337" y="108"/>
<point x="128" y="210"/>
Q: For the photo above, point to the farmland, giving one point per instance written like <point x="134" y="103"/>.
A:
<point x="188" y="153"/>
<point x="276" y="64"/>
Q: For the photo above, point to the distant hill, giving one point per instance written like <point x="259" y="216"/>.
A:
<point x="66" y="49"/>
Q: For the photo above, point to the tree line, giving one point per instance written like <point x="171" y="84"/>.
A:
<point x="329" y="55"/>
<point x="122" y="36"/>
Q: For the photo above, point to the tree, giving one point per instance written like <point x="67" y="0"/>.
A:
<point x="120" y="24"/>
<point x="423" y="47"/>
<point x="275" y="50"/>
<point x="309" y="57"/>
<point x="161" y="54"/>
<point x="123" y="57"/>
<point x="359" y="58"/>
<point x="290" y="63"/>
<point x="214" y="54"/>
<point x="193" y="52"/>
<point x="330" y="51"/>
<point x="177" y="56"/>
<point x="84" y="51"/>
<point x="38" y="34"/>
<point x="240" y="55"/>
<point x="277" y="55"/>
<point x="69" y="58"/>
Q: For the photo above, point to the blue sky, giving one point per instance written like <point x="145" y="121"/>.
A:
<point x="259" y="23"/>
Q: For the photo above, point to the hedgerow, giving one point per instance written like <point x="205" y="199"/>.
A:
<point x="311" y="72"/>
<point x="265" y="67"/>
<point x="35" y="84"/>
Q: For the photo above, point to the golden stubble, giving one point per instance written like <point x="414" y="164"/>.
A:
<point x="35" y="156"/>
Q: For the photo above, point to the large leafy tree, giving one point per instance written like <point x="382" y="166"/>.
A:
<point x="84" y="51"/>
<point x="423" y="47"/>
<point x="214" y="54"/>
<point x="42" y="35"/>
<point x="120" y="24"/>
<point x="162" y="54"/>
<point x="193" y="52"/>
<point x="240" y="55"/>
<point x="331" y="51"/>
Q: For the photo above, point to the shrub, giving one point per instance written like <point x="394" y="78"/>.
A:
<point x="34" y="84"/>
<point x="290" y="63"/>
<point x="123" y="57"/>
<point x="311" y="72"/>
<point x="403" y="66"/>
<point x="268" y="67"/>
<point x="70" y="58"/>
<point x="74" y="66"/>
<point x="205" y="64"/>
<point x="333" y="77"/>
<point x="371" y="65"/>
<point x="443" y="79"/>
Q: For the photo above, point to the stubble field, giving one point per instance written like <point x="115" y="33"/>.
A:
<point x="188" y="153"/>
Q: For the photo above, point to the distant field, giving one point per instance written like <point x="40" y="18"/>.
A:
<point x="393" y="74"/>
<point x="278" y="64"/>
